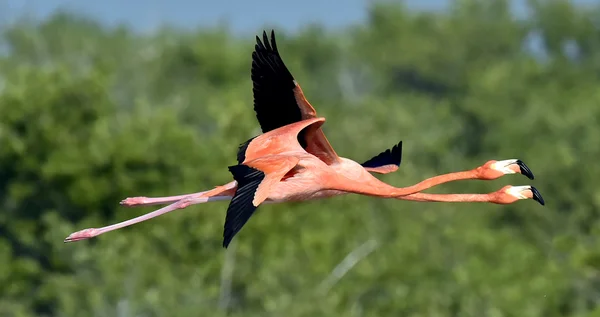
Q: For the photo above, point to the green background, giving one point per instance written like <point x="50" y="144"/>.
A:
<point x="90" y="115"/>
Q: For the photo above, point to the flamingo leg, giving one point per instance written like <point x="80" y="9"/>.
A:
<point x="151" y="201"/>
<point x="226" y="189"/>
<point x="183" y="203"/>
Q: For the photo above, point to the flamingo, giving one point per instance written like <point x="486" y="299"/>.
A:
<point x="292" y="160"/>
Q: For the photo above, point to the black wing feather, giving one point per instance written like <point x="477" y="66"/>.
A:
<point x="273" y="86"/>
<point x="241" y="154"/>
<point x="387" y="157"/>
<point x="241" y="208"/>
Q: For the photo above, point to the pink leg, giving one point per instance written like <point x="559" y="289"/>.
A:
<point x="145" y="201"/>
<point x="183" y="203"/>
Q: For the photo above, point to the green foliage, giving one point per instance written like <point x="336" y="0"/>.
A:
<point x="90" y="115"/>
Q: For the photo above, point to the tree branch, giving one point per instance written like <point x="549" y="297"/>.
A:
<point x="347" y="264"/>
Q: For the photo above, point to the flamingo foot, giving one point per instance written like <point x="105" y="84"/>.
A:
<point x="82" y="235"/>
<point x="134" y="201"/>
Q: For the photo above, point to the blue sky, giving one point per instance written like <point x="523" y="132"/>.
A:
<point x="241" y="15"/>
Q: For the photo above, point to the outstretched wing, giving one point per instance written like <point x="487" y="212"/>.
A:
<point x="279" y="100"/>
<point x="255" y="180"/>
<point x="385" y="162"/>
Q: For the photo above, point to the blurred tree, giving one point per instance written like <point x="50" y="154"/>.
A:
<point x="90" y="115"/>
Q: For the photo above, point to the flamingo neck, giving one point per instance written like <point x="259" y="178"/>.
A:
<point x="396" y="192"/>
<point x="450" y="198"/>
<point x="437" y="180"/>
<point x="369" y="185"/>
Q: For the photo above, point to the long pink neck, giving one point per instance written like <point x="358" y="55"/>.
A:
<point x="371" y="186"/>
<point x="451" y="198"/>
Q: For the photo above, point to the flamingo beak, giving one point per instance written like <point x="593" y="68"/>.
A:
<point x="537" y="196"/>
<point x="524" y="169"/>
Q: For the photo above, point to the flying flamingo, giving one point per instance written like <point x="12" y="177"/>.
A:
<point x="293" y="161"/>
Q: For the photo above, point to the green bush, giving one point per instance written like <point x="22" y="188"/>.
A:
<point x="90" y="115"/>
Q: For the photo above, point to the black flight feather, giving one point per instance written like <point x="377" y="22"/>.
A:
<point x="387" y="157"/>
<point x="273" y="87"/>
<point x="241" y="208"/>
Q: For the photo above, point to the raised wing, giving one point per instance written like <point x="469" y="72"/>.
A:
<point x="385" y="162"/>
<point x="279" y="100"/>
<point x="278" y="141"/>
<point x="255" y="180"/>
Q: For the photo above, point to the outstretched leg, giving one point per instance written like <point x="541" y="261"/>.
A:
<point x="224" y="190"/>
<point x="218" y="194"/>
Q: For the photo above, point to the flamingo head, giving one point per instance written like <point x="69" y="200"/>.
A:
<point x="495" y="169"/>
<point x="509" y="194"/>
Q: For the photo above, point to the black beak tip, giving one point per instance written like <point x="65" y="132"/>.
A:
<point x="537" y="196"/>
<point x="525" y="169"/>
